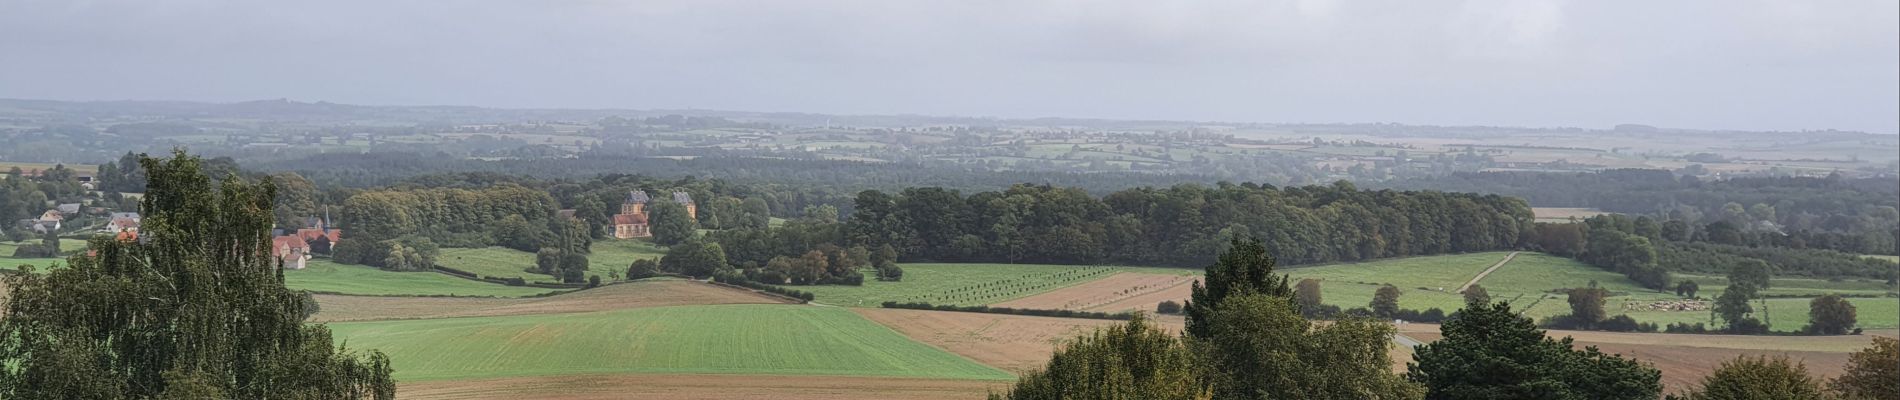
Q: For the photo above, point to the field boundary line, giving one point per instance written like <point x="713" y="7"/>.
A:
<point x="1487" y="271"/>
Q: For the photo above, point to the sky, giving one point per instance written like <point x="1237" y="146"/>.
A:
<point x="1709" y="64"/>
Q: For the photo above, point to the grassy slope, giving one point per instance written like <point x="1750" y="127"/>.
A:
<point x="326" y="276"/>
<point x="726" y="339"/>
<point x="923" y="280"/>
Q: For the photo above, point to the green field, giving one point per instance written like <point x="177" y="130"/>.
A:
<point x="329" y="277"/>
<point x="1710" y="286"/>
<point x="723" y="339"/>
<point x="930" y="282"/>
<point x="1427" y="282"/>
<point x="491" y="261"/>
<point x="1784" y="314"/>
<point x="67" y="246"/>
<point x="608" y="255"/>
<point x="1531" y="276"/>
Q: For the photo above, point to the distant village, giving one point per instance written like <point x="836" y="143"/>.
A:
<point x="111" y="213"/>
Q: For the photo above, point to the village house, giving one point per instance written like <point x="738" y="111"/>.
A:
<point x="290" y="250"/>
<point x="631" y="222"/>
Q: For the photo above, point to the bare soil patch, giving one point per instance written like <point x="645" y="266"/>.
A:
<point x="613" y="297"/>
<point x="1118" y="292"/>
<point x="1012" y="343"/>
<point x="700" y="387"/>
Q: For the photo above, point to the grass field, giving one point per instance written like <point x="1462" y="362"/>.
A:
<point x="722" y="339"/>
<point x="67" y="247"/>
<point x="1352" y="285"/>
<point x="1710" y="286"/>
<point x="938" y="283"/>
<point x="608" y="255"/>
<point x="1884" y="257"/>
<point x="330" y="277"/>
<point x="1530" y="279"/>
<point x="1783" y="315"/>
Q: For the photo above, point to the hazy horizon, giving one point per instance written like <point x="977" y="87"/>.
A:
<point x="1765" y="66"/>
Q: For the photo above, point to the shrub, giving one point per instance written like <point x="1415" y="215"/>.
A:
<point x="1012" y="311"/>
<point x="1168" y="307"/>
<point x="1686" y="328"/>
<point x="593" y="281"/>
<point x="741" y="281"/>
<point x="34" y="250"/>
<point x="1747" y="326"/>
<point x="1620" y="323"/>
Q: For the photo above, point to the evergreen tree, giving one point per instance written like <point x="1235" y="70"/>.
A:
<point x="196" y="309"/>
<point x="1489" y="352"/>
<point x="1245" y="268"/>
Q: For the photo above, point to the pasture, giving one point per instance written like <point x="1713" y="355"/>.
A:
<point x="714" y="339"/>
<point x="324" y="276"/>
<point x="968" y="284"/>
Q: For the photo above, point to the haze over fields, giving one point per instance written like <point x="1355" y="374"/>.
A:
<point x="1750" y="65"/>
<point x="1022" y="200"/>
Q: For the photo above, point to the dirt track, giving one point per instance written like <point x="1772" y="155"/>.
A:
<point x="621" y="296"/>
<point x="1487" y="271"/>
<point x="700" y="387"/>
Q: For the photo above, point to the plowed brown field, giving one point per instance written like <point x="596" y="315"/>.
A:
<point x="1013" y="343"/>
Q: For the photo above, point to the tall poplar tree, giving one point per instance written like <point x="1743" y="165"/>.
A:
<point x="195" y="308"/>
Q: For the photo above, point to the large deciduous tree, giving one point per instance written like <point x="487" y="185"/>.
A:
<point x="1136" y="360"/>
<point x="1872" y="373"/>
<point x="670" y="223"/>
<point x="196" y="309"/>
<point x="1830" y="315"/>
<point x="1260" y="348"/>
<point x="1747" y="378"/>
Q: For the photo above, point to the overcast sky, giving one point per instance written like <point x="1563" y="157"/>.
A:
<point x="1780" y="65"/>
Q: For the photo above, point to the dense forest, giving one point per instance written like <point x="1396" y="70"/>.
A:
<point x="1182" y="225"/>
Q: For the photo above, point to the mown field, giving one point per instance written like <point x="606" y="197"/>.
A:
<point x="968" y="284"/>
<point x="329" y="277"/>
<point x="717" y="339"/>
<point x="608" y="255"/>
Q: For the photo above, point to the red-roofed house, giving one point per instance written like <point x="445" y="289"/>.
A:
<point x="291" y="250"/>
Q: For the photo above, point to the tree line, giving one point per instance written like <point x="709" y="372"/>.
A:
<point x="1181" y="225"/>
<point x="1847" y="214"/>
